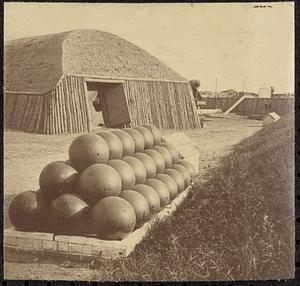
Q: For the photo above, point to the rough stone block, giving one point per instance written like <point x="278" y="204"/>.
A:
<point x="23" y="234"/>
<point x="63" y="246"/>
<point x="11" y="240"/>
<point x="49" y="245"/>
<point x="112" y="252"/>
<point x="78" y="239"/>
<point x="30" y="243"/>
<point x="97" y="250"/>
<point x="86" y="249"/>
<point x="116" y="252"/>
<point x="122" y="252"/>
<point x="75" y="248"/>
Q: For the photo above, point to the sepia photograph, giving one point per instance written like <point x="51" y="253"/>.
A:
<point x="149" y="141"/>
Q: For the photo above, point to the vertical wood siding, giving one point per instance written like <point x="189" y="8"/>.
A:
<point x="281" y="106"/>
<point x="63" y="110"/>
<point x="167" y="105"/>
<point x="25" y="112"/>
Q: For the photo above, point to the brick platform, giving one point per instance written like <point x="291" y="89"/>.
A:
<point x="86" y="246"/>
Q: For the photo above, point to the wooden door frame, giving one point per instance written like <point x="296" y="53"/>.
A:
<point x="98" y="80"/>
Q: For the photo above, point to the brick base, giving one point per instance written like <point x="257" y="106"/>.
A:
<point x="72" y="246"/>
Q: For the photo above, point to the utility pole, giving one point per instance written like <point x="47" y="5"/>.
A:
<point x="244" y="87"/>
<point x="216" y="91"/>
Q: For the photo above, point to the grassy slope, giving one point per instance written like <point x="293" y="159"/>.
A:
<point x="239" y="225"/>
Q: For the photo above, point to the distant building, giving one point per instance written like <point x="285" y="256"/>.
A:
<point x="229" y="93"/>
<point x="270" y="118"/>
<point x="265" y="92"/>
<point x="207" y="93"/>
<point x="282" y="95"/>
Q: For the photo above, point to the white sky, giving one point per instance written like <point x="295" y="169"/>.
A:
<point x="230" y="42"/>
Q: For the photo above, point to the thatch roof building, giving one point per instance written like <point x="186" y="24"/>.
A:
<point x="72" y="81"/>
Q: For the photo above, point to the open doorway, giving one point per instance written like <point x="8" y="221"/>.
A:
<point x="107" y="103"/>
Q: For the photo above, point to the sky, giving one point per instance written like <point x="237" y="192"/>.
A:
<point x="229" y="45"/>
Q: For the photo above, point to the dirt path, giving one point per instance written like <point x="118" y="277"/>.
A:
<point x="27" y="154"/>
<point x="220" y="136"/>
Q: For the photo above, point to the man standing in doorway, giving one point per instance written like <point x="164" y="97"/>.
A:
<point x="195" y="85"/>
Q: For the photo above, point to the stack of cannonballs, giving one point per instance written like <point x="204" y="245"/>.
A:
<point x="112" y="183"/>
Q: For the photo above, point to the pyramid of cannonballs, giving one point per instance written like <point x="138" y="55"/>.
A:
<point x="112" y="183"/>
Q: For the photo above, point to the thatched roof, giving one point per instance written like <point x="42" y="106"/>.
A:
<point x="33" y="64"/>
<point x="36" y="64"/>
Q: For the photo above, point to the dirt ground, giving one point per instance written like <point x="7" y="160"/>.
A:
<point x="26" y="154"/>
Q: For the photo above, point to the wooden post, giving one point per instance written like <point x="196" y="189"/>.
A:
<point x="88" y="113"/>
<point x="76" y="96"/>
<point x="83" y="108"/>
<point x="62" y="110"/>
<point x="70" y="104"/>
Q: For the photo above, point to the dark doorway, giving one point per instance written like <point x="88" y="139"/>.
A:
<point x="107" y="103"/>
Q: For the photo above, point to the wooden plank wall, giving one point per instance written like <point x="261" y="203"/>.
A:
<point x="166" y="105"/>
<point x="222" y="103"/>
<point x="70" y="106"/>
<point x="25" y="112"/>
<point x="63" y="110"/>
<point x="281" y="106"/>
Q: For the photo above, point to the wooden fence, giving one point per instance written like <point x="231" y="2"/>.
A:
<point x="249" y="106"/>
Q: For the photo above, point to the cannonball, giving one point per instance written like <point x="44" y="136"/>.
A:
<point x="166" y="154"/>
<point x="170" y="183"/>
<point x="161" y="189"/>
<point x="113" y="218"/>
<point x="140" y="205"/>
<point x="184" y="172"/>
<point x="138" y="139"/>
<point x="126" y="140"/>
<point x="66" y="211"/>
<point x="173" y="150"/>
<point x="157" y="158"/>
<point x="23" y="211"/>
<point x="125" y="171"/>
<point x="99" y="181"/>
<point x="155" y="132"/>
<point x="88" y="149"/>
<point x="138" y="167"/>
<point x="150" y="195"/>
<point x="114" y="144"/>
<point x="148" y="162"/>
<point x="58" y="177"/>
<point x="179" y="179"/>
<point x="148" y="137"/>
<point x="189" y="166"/>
